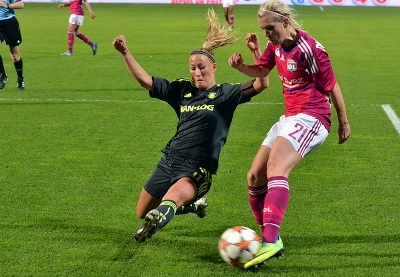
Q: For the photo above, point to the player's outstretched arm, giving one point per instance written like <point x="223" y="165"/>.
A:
<point x="338" y="101"/>
<point x="132" y="65"/>
<point x="14" y="6"/>
<point x="89" y="8"/>
<point x="253" y="87"/>
<point x="253" y="43"/>
<point x="63" y="5"/>
<point x="252" y="70"/>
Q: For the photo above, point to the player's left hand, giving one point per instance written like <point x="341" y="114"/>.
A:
<point x="344" y="132"/>
<point x="252" y="42"/>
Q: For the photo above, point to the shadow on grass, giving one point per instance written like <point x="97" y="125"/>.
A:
<point x="196" y="243"/>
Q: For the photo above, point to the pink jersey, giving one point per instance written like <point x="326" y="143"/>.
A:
<point x="306" y="74"/>
<point x="76" y="7"/>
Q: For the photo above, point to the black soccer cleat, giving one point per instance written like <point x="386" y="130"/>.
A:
<point x="149" y="226"/>
<point x="3" y="80"/>
<point x="20" y="84"/>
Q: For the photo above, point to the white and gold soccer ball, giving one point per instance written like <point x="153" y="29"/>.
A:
<point x="238" y="245"/>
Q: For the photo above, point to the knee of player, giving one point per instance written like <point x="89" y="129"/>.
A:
<point x="271" y="166"/>
<point x="254" y="177"/>
<point x="15" y="57"/>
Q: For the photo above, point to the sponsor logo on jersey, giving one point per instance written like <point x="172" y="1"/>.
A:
<point x="197" y="108"/>
<point x="291" y="83"/>
<point x="212" y="95"/>
<point x="291" y="65"/>
<point x="187" y="95"/>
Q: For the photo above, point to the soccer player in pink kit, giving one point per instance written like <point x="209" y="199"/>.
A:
<point x="75" y="22"/>
<point x="309" y="85"/>
<point x="228" y="6"/>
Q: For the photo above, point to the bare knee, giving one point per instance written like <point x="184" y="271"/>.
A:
<point x="256" y="178"/>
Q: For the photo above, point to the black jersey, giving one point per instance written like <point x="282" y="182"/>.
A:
<point x="204" y="118"/>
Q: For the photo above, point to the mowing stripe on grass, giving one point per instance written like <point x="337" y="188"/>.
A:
<point x="75" y="100"/>
<point x="139" y="101"/>
<point x="103" y="100"/>
<point x="392" y="116"/>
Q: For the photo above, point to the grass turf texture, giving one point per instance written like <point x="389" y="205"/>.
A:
<point x="80" y="141"/>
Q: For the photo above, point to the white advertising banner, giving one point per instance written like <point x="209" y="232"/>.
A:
<point x="392" y="3"/>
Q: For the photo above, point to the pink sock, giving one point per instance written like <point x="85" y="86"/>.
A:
<point x="70" y="41"/>
<point x="275" y="205"/>
<point x="85" y="39"/>
<point x="231" y="19"/>
<point x="256" y="199"/>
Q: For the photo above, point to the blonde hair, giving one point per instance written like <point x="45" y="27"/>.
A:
<point x="218" y="35"/>
<point x="280" y="11"/>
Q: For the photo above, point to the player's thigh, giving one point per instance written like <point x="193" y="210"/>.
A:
<point x="182" y="192"/>
<point x="298" y="136"/>
<point x="160" y="180"/>
<point x="155" y="188"/>
<point x="306" y="133"/>
<point x="283" y="158"/>
<point x="190" y="176"/>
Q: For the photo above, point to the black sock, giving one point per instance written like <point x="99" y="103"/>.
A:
<point x="1" y="65"/>
<point x="186" y="209"/>
<point x="18" y="67"/>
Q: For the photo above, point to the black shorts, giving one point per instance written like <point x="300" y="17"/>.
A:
<point x="10" y="32"/>
<point x="170" y="169"/>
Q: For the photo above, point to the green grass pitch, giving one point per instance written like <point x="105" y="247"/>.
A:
<point x="80" y="141"/>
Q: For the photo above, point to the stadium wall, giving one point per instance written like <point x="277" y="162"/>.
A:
<point x="392" y="3"/>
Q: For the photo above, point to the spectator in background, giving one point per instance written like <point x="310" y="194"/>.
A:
<point x="75" y="22"/>
<point x="11" y="34"/>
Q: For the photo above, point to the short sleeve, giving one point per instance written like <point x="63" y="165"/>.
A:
<point x="325" y="78"/>
<point x="267" y="59"/>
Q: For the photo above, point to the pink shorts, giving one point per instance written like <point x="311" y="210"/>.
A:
<point x="304" y="132"/>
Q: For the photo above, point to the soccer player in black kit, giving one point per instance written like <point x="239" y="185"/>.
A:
<point x="205" y="110"/>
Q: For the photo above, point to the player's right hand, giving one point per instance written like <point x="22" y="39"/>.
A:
<point x="235" y="60"/>
<point x="120" y="44"/>
<point x="252" y="42"/>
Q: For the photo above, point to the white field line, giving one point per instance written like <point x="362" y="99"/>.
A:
<point x="387" y="108"/>
<point x="392" y="116"/>
<point x="73" y="100"/>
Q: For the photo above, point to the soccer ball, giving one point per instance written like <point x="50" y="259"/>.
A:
<point x="238" y="245"/>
